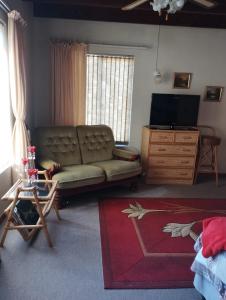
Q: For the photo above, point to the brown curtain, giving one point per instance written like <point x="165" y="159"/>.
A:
<point x="18" y="89"/>
<point x="68" y="77"/>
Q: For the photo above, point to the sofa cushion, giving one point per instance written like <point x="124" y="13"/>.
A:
<point x="96" y="142"/>
<point x="77" y="176"/>
<point x="59" y="144"/>
<point x="119" y="169"/>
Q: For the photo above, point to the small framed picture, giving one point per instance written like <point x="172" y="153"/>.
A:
<point x="182" y="80"/>
<point x="213" y="93"/>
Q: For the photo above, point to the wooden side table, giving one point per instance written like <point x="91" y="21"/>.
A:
<point x="42" y="195"/>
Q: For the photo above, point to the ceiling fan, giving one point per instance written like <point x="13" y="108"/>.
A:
<point x="171" y="5"/>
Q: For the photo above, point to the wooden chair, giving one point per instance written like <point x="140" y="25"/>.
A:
<point x="207" y="159"/>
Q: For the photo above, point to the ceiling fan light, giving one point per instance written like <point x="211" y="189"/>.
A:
<point x="156" y="7"/>
<point x="164" y="3"/>
<point x="159" y="4"/>
<point x="172" y="5"/>
<point x="172" y="8"/>
<point x="180" y="3"/>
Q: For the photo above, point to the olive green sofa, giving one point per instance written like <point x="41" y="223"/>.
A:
<point x="83" y="157"/>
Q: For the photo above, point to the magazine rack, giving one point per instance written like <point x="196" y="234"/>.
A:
<point x="42" y="196"/>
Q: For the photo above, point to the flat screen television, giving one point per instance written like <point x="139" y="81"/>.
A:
<point x="174" y="110"/>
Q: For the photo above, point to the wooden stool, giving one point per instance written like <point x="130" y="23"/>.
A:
<point x="208" y="155"/>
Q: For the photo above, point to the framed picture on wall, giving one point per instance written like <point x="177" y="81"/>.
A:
<point x="213" y="93"/>
<point x="182" y="80"/>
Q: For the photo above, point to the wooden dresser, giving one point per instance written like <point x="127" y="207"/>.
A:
<point x="169" y="156"/>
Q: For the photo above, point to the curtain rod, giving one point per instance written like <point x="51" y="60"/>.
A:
<point x="121" y="46"/>
<point x="136" y="47"/>
<point x="4" y="6"/>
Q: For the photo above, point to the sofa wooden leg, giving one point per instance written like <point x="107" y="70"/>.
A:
<point x="61" y="201"/>
<point x="58" y="201"/>
<point x="134" y="186"/>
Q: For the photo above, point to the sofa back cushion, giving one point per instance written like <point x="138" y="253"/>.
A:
<point x="59" y="144"/>
<point x="96" y="142"/>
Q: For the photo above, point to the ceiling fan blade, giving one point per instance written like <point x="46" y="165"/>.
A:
<point x="134" y="4"/>
<point x="206" y="3"/>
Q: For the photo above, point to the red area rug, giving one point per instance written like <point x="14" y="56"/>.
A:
<point x="148" y="243"/>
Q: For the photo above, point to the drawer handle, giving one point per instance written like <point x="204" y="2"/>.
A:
<point x="163" y="137"/>
<point x="186" y="150"/>
<point x="183" y="174"/>
<point x="185" y="162"/>
<point x="162" y="149"/>
<point x="187" y="137"/>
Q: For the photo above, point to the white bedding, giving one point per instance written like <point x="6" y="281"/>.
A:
<point x="213" y="268"/>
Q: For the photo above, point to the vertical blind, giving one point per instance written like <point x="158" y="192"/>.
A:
<point x="109" y="93"/>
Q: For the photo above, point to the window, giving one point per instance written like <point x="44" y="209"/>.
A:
<point x="109" y="93"/>
<point x="5" y="112"/>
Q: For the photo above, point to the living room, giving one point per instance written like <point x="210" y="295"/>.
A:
<point x="197" y="50"/>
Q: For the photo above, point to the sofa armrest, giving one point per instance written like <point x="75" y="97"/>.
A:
<point x="50" y="166"/>
<point x="126" y="153"/>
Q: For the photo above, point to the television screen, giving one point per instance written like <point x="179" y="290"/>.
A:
<point x="174" y="110"/>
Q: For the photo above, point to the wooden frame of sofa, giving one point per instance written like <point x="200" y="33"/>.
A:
<point x="53" y="166"/>
<point x="62" y="194"/>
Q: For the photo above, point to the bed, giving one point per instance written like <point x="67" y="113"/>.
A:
<point x="210" y="274"/>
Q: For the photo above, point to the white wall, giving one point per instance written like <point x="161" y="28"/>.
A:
<point x="199" y="51"/>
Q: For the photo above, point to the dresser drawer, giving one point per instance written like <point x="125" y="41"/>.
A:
<point x="172" y="149"/>
<point x="186" y="137"/>
<point x="170" y="173"/>
<point x="162" y="137"/>
<point x="159" y="161"/>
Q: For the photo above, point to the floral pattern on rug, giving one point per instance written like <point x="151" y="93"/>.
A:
<point x="176" y="229"/>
